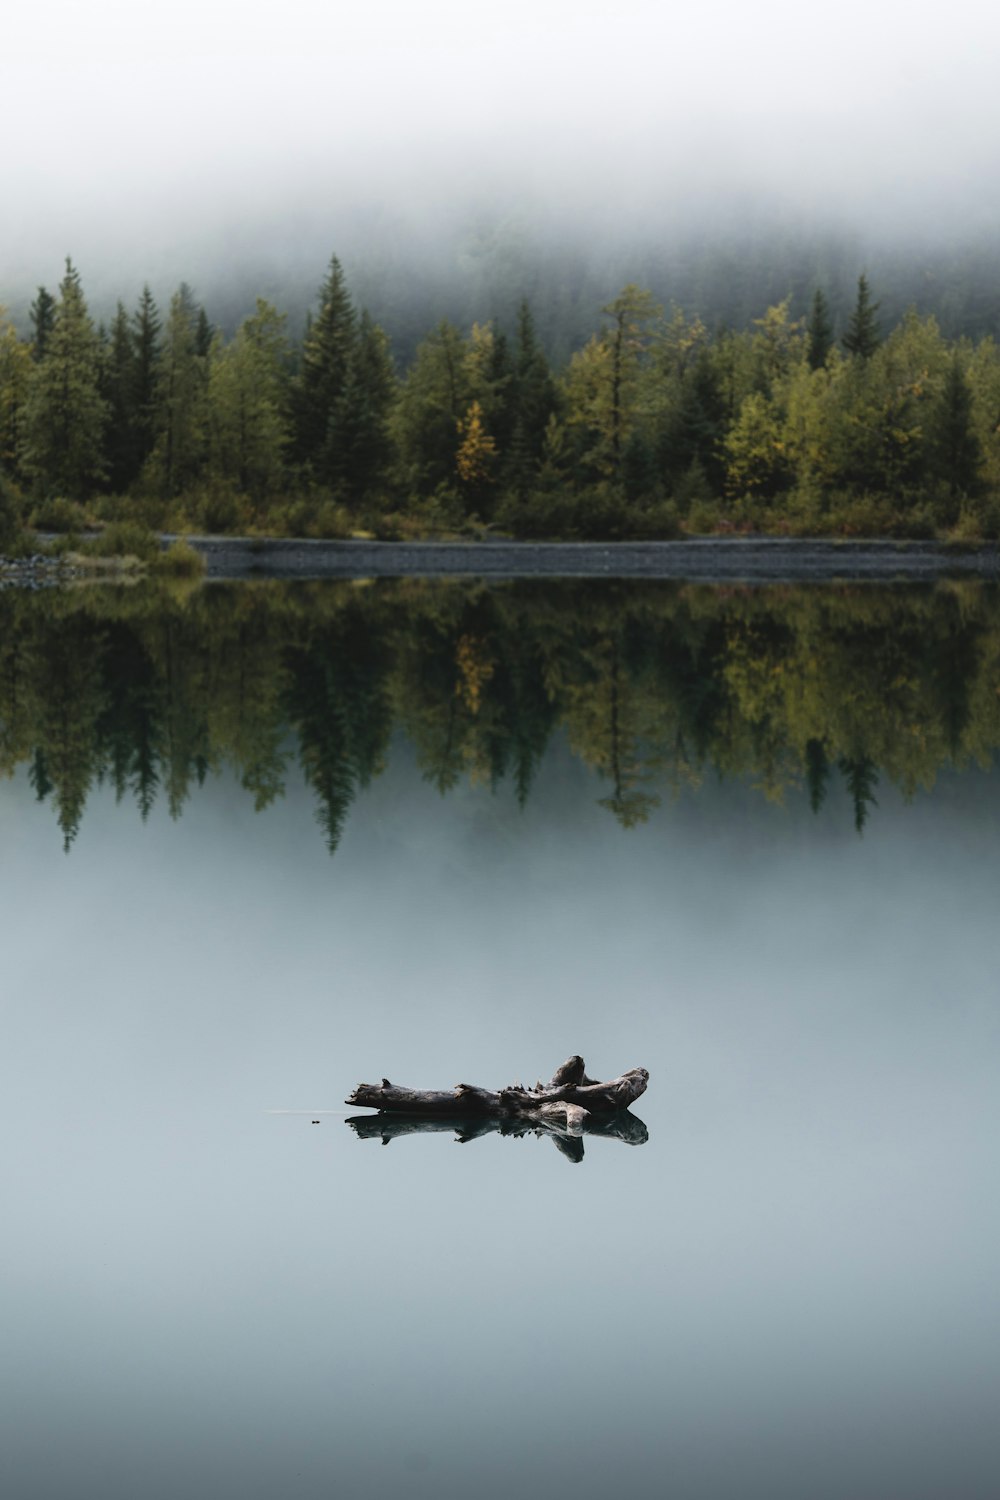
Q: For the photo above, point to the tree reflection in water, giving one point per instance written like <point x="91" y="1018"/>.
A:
<point x="653" y="686"/>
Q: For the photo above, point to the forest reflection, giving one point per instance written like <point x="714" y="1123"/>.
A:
<point x="653" y="686"/>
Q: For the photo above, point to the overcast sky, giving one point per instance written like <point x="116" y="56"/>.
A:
<point x="132" y="114"/>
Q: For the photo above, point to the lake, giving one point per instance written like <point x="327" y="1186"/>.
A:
<point x="261" y="842"/>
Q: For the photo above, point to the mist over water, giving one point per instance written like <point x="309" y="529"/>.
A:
<point x="789" y="1287"/>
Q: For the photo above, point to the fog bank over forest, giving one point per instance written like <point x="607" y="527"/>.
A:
<point x="455" y="159"/>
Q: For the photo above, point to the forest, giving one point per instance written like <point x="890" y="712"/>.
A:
<point x="825" y="693"/>
<point x="655" y="426"/>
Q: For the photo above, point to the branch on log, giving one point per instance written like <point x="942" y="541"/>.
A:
<point x="570" y="1098"/>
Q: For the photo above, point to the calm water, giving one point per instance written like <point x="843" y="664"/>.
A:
<point x="496" y="827"/>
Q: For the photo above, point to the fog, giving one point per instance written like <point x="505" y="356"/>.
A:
<point x="200" y="139"/>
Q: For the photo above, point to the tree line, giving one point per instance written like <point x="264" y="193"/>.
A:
<point x="802" y="693"/>
<point x="657" y="426"/>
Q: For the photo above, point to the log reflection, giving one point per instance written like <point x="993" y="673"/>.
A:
<point x="623" y="1126"/>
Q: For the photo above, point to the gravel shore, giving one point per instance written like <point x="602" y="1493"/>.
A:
<point x="712" y="559"/>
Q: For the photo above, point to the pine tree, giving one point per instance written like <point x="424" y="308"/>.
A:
<point x="820" y="332"/>
<point x="66" y="414"/>
<point x="863" y="335"/>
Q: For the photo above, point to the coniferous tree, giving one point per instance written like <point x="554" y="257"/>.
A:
<point x="247" y="404"/>
<point x="181" y="415"/>
<point x="365" y="404"/>
<point x="533" y="402"/>
<point x="820" y="332"/>
<point x="956" y="451"/>
<point x="15" y="376"/>
<point x="65" y="413"/>
<point x="327" y="359"/>
<point x="117" y="388"/>
<point x="146" y="328"/>
<point x="863" y="335"/>
<point x="203" y="332"/>
<point x="42" y="314"/>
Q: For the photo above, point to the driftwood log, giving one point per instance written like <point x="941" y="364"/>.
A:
<point x="570" y="1100"/>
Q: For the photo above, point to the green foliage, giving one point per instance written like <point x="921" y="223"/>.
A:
<point x="821" y="694"/>
<point x="180" y="560"/>
<point x="43" y="317"/>
<point x="58" y="515"/>
<point x="124" y="539"/>
<point x="767" y="426"/>
<point x="65" y="413"/>
<point x="820" y="331"/>
<point x="181" y="409"/>
<point x="863" y="335"/>
<point x="247" y="406"/>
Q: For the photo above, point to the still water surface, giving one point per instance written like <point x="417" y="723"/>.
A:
<point x="790" y="1289"/>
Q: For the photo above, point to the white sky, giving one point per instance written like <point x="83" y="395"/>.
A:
<point x="116" y="109"/>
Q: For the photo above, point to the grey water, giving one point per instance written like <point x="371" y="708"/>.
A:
<point x="790" y="1289"/>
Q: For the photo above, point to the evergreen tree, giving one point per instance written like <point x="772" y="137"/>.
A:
<point x="247" y="405"/>
<point x="15" y="376"/>
<point x="327" y="358"/>
<point x="364" y="409"/>
<point x="145" y="373"/>
<point x="433" y="399"/>
<point x="65" y="413"/>
<point x="820" y="332"/>
<point x="42" y="314"/>
<point x="955" y="449"/>
<point x="533" y="402"/>
<point x="181" y="415"/>
<point x="203" y="333"/>
<point x="863" y="335"/>
<point x="117" y="388"/>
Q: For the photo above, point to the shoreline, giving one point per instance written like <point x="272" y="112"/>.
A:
<point x="708" y="559"/>
<point x="694" y="560"/>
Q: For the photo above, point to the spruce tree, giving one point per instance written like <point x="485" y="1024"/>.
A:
<point x="203" y="334"/>
<point x="117" y="387"/>
<point x="863" y="334"/>
<point x="363" y="411"/>
<point x="42" y="314"/>
<point x="820" y="332"/>
<point x="533" y="402"/>
<point x="327" y="358"/>
<point x="181" y="407"/>
<point x="955" y="448"/>
<point x="66" y="412"/>
<point x="145" y="372"/>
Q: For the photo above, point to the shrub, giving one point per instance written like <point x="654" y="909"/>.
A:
<point x="59" y="515"/>
<point x="124" y="539"/>
<point x="180" y="560"/>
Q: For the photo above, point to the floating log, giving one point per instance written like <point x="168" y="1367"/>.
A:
<point x="569" y="1099"/>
